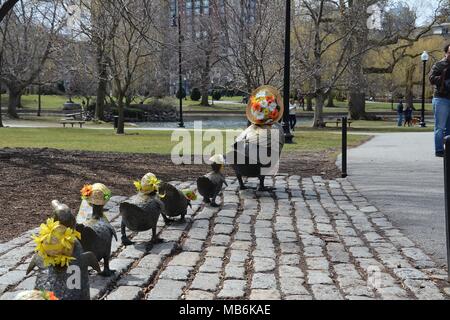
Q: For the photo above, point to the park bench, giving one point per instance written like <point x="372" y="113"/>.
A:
<point x="72" y="123"/>
<point x="338" y="122"/>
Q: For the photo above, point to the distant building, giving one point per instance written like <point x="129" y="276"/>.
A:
<point x="442" y="29"/>
<point x="192" y="12"/>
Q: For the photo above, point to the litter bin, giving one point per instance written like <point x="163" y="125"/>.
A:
<point x="116" y="122"/>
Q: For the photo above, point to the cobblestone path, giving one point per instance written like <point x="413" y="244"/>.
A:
<point x="310" y="239"/>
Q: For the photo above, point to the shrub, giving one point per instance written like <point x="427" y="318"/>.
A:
<point x="196" y="95"/>
<point x="217" y="95"/>
<point x="132" y="113"/>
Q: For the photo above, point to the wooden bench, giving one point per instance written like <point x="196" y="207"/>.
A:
<point x="72" y="123"/>
<point x="338" y="122"/>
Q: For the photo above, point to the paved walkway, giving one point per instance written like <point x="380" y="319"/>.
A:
<point x="311" y="239"/>
<point x="399" y="174"/>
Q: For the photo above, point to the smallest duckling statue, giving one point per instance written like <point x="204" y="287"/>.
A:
<point x="141" y="212"/>
<point x="63" y="265"/>
<point x="176" y="202"/>
<point x="96" y="231"/>
<point x="210" y="186"/>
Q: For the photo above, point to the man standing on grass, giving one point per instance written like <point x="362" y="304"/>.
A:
<point x="440" y="78"/>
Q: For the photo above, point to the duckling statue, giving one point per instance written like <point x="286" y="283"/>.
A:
<point x="96" y="231"/>
<point x="175" y="202"/>
<point x="63" y="265"/>
<point x="211" y="185"/>
<point x="257" y="150"/>
<point x="141" y="212"/>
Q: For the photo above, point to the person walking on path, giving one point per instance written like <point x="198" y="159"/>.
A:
<point x="301" y="100"/>
<point x="440" y="79"/>
<point x="400" y="110"/>
<point x="293" y="114"/>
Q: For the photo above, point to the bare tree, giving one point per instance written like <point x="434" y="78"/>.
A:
<point x="201" y="46"/>
<point x="6" y="8"/>
<point x="322" y="53"/>
<point x="397" y="31"/>
<point x="130" y="48"/>
<point x="29" y="37"/>
<point x="253" y="36"/>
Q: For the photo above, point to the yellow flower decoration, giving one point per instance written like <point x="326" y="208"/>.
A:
<point x="97" y="194"/>
<point x="36" y="295"/>
<point x="55" y="243"/>
<point x="148" y="184"/>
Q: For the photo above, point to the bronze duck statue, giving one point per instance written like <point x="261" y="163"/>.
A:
<point x="176" y="202"/>
<point x="141" y="212"/>
<point x="257" y="150"/>
<point x="96" y="231"/>
<point x="63" y="264"/>
<point x="210" y="185"/>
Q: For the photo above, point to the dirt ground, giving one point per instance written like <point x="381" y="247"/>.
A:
<point x="31" y="178"/>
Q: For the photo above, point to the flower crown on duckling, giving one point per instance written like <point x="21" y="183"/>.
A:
<point x="97" y="194"/>
<point x="265" y="106"/>
<point x="190" y="195"/>
<point x="55" y="243"/>
<point x="148" y="184"/>
<point x="36" y="295"/>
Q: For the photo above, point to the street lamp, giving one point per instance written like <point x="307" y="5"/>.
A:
<point x="212" y="92"/>
<point x="425" y="57"/>
<point x="185" y="88"/>
<point x="180" y="76"/>
<point x="287" y="74"/>
<point x="39" y="96"/>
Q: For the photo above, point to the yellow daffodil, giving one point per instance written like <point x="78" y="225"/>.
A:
<point x="55" y="243"/>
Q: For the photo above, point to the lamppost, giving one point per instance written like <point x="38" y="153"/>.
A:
<point x="185" y="88"/>
<point x="180" y="76"/>
<point x="212" y="92"/>
<point x="39" y="96"/>
<point x="287" y="74"/>
<point x="425" y="57"/>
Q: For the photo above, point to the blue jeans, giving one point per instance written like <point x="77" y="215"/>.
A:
<point x="441" y="108"/>
<point x="400" y="119"/>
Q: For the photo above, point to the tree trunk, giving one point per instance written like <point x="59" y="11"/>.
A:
<point x="101" y="94"/>
<point x="357" y="105"/>
<point x="309" y="103"/>
<point x="330" y="103"/>
<point x="409" y="94"/>
<point x="1" y="113"/>
<point x="15" y="98"/>
<point x="120" y="108"/>
<point x="205" y="99"/>
<point x="205" y="83"/>
<point x="318" y="111"/>
<point x="357" y="92"/>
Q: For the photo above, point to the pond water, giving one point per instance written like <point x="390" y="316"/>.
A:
<point x="232" y="123"/>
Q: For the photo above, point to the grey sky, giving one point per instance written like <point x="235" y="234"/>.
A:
<point x="425" y="8"/>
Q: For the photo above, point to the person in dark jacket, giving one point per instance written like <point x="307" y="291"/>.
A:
<point x="408" y="116"/>
<point x="400" y="112"/>
<point x="440" y="78"/>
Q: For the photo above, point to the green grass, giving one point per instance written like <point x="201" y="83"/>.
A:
<point x="380" y="106"/>
<point x="53" y="102"/>
<point x="376" y="126"/>
<point x="142" y="141"/>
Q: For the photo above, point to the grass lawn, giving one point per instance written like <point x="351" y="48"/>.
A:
<point x="142" y="141"/>
<point x="376" y="126"/>
<point x="30" y="102"/>
<point x="380" y="106"/>
<point x="53" y="102"/>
